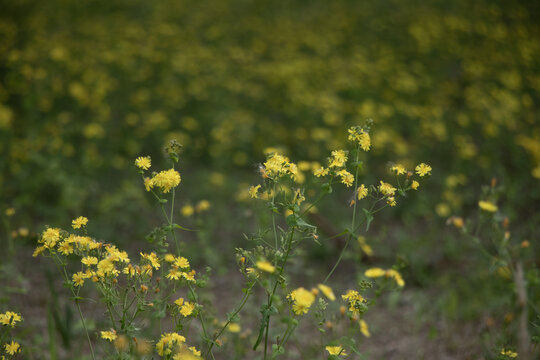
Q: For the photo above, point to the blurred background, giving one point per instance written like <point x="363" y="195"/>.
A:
<point x="87" y="86"/>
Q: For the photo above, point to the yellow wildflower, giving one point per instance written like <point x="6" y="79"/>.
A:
<point x="148" y="184"/>
<point x="336" y="350"/>
<point x="423" y="169"/>
<point x="415" y="185"/>
<point x="346" y="177"/>
<point x="12" y="348"/>
<point x="78" y="279"/>
<point x="152" y="257"/>
<point x="181" y="262"/>
<point x="387" y="189"/>
<point x="265" y="266"/>
<point x="399" y="169"/>
<point x="65" y="248"/>
<point x="364" y="246"/>
<point x="509" y="353"/>
<point x="234" y="328"/>
<point x="302" y="300"/>
<point x="143" y="162"/>
<point x="339" y="158"/>
<point x="364" y="329"/>
<point x="202" y="205"/>
<point x="487" y="206"/>
<point x="374" y="273"/>
<point x="327" y="291"/>
<point x="391" y="201"/>
<point x="167" y="343"/>
<point x="38" y="250"/>
<point x="253" y="190"/>
<point x="174" y="274"/>
<point x="109" y="335"/>
<point x="362" y="192"/>
<point x="187" y="210"/>
<point x="79" y="222"/>
<point x="320" y="172"/>
<point x="187" y="309"/>
<point x="50" y="237"/>
<point x="10" y="212"/>
<point x="166" y="180"/>
<point x="89" y="260"/>
<point x="10" y="318"/>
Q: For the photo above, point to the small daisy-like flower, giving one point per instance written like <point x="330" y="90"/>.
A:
<point x="336" y="350"/>
<point x="89" y="260"/>
<point x="181" y="263"/>
<point x="415" y="185"/>
<point x="387" y="189"/>
<point x="320" y="172"/>
<point x="166" y="180"/>
<point x="423" y="169"/>
<point x="399" y="169"/>
<point x="109" y="335"/>
<point x="12" y="348"/>
<point x="187" y="309"/>
<point x="79" y="222"/>
<point x="346" y="177"/>
<point x="253" y="190"/>
<point x="143" y="162"/>
<point x="362" y="192"/>
<point x="302" y="300"/>
<point x="265" y="266"/>
<point x="78" y="278"/>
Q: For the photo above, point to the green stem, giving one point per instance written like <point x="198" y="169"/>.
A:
<point x="85" y="329"/>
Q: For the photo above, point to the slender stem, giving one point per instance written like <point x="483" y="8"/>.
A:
<point x="274" y="219"/>
<point x="85" y="328"/>
<point x="236" y="311"/>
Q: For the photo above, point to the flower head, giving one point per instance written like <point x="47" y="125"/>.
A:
<point x="143" y="162"/>
<point x="265" y="265"/>
<point x="12" y="348"/>
<point x="487" y="206"/>
<point x="166" y="180"/>
<point x="302" y="300"/>
<point x="423" y="169"/>
<point x="109" y="335"/>
<point x="79" y="222"/>
<point x="336" y="350"/>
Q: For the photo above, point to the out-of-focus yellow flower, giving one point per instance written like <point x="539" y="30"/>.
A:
<point x="415" y="184"/>
<point x="10" y="212"/>
<point x="399" y="169"/>
<point x="487" y="206"/>
<point x="336" y="350"/>
<point x="302" y="300"/>
<point x="387" y="189"/>
<point x="364" y="329"/>
<point x="234" y="328"/>
<point x="362" y="192"/>
<point x="339" y="158"/>
<point x="187" y="210"/>
<point x="109" y="335"/>
<point x="327" y="291"/>
<point x="320" y="172"/>
<point x="346" y="177"/>
<point x="12" y="348"/>
<point x="265" y="265"/>
<point x="253" y="190"/>
<point x="202" y="205"/>
<point x="364" y="246"/>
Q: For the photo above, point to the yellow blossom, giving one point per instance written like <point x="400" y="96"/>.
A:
<point x="374" y="272"/>
<point x="174" y="274"/>
<point x="234" y="328"/>
<point x="167" y="343"/>
<point x="387" y="189"/>
<point x="65" y="248"/>
<point x="336" y="350"/>
<point x="320" y="172"/>
<point x="10" y="318"/>
<point x="487" y="206"/>
<point x="12" y="348"/>
<point x="109" y="335"/>
<point x="89" y="260"/>
<point x="414" y="185"/>
<point x="78" y="278"/>
<point x="143" y="162"/>
<point x="362" y="192"/>
<point x="327" y="291"/>
<point x="181" y="262"/>
<point x="50" y="237"/>
<point x="253" y="190"/>
<point x="346" y="177"/>
<point x="10" y="212"/>
<point x="187" y="210"/>
<point x="423" y="169"/>
<point x="202" y="205"/>
<point x="364" y="246"/>
<point x="265" y="265"/>
<point x="399" y="169"/>
<point x="166" y="180"/>
<point x="152" y="257"/>
<point x="148" y="184"/>
<point x="302" y="300"/>
<point x="79" y="222"/>
<point x="364" y="329"/>
<point x="187" y="309"/>
<point x="339" y="158"/>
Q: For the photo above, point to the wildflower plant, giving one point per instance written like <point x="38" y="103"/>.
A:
<point x="158" y="288"/>
<point x="8" y="321"/>
<point x="508" y="257"/>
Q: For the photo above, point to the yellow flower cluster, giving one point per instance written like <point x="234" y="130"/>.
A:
<point x="186" y="308"/>
<point x="79" y="222"/>
<point x="168" y="343"/>
<point x="165" y="180"/>
<point x="355" y="300"/>
<point x="180" y="268"/>
<point x="278" y="165"/>
<point x="336" y="165"/>
<point x="390" y="273"/>
<point x="359" y="135"/>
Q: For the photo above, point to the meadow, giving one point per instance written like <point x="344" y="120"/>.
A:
<point x="269" y="179"/>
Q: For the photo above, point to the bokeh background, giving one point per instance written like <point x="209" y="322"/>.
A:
<point x="87" y="86"/>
